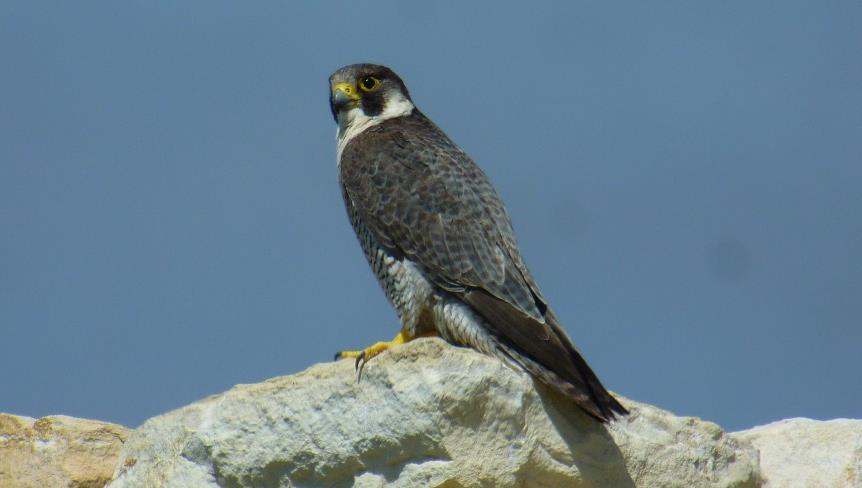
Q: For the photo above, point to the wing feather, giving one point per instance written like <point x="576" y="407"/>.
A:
<point x="426" y="198"/>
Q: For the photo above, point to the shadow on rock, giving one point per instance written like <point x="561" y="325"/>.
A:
<point x="591" y="447"/>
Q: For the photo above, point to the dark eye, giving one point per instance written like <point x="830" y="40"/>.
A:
<point x="368" y="83"/>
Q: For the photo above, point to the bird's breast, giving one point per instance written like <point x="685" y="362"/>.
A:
<point x="403" y="282"/>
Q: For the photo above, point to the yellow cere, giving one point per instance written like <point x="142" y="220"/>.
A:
<point x="347" y="88"/>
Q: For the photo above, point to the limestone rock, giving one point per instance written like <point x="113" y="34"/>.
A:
<point x="804" y="453"/>
<point x="57" y="451"/>
<point x="424" y="414"/>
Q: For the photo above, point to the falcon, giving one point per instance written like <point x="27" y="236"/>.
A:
<point x="440" y="242"/>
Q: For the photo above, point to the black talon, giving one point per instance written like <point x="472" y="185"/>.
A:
<point x="359" y="366"/>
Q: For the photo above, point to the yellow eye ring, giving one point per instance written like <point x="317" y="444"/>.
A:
<point x="369" y="83"/>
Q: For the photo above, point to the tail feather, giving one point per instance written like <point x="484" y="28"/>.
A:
<point x="544" y="350"/>
<point x="609" y="406"/>
<point x="595" y="400"/>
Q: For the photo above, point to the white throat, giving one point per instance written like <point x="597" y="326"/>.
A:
<point x="355" y="122"/>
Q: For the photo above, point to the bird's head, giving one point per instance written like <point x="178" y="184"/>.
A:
<point x="367" y="94"/>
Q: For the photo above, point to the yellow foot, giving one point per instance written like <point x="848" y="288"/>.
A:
<point x="365" y="355"/>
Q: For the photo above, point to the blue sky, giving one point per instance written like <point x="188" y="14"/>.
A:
<point x="683" y="179"/>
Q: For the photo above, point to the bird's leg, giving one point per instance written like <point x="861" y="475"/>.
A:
<point x="365" y="355"/>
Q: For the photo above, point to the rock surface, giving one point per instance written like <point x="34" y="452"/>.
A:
<point x="424" y="414"/>
<point x="808" y="453"/>
<point x="57" y="451"/>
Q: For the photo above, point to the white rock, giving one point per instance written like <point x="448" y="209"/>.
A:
<point x="807" y="453"/>
<point x="57" y="451"/>
<point x="424" y="414"/>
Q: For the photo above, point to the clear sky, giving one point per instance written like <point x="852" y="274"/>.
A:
<point x="684" y="179"/>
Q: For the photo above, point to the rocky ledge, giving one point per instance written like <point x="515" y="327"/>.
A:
<point x="429" y="414"/>
<point x="58" y="451"/>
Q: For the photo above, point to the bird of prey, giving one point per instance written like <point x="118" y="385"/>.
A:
<point x="440" y="242"/>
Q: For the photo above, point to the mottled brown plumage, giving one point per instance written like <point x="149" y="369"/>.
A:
<point x="419" y="203"/>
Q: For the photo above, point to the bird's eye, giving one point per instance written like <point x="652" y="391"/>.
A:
<point x="369" y="83"/>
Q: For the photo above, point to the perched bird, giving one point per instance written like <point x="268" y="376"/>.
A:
<point x="440" y="242"/>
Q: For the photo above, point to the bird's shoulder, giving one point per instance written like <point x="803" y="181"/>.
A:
<point x="411" y="157"/>
<point x="413" y="142"/>
<point x="422" y="195"/>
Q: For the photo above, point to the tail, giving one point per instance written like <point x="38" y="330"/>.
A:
<point x="599" y="402"/>
<point x="585" y="390"/>
<point x="544" y="350"/>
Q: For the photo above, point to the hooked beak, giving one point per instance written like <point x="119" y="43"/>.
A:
<point x="342" y="95"/>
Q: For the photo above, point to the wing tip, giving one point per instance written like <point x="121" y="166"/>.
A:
<point x="611" y="410"/>
<point x="604" y="409"/>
